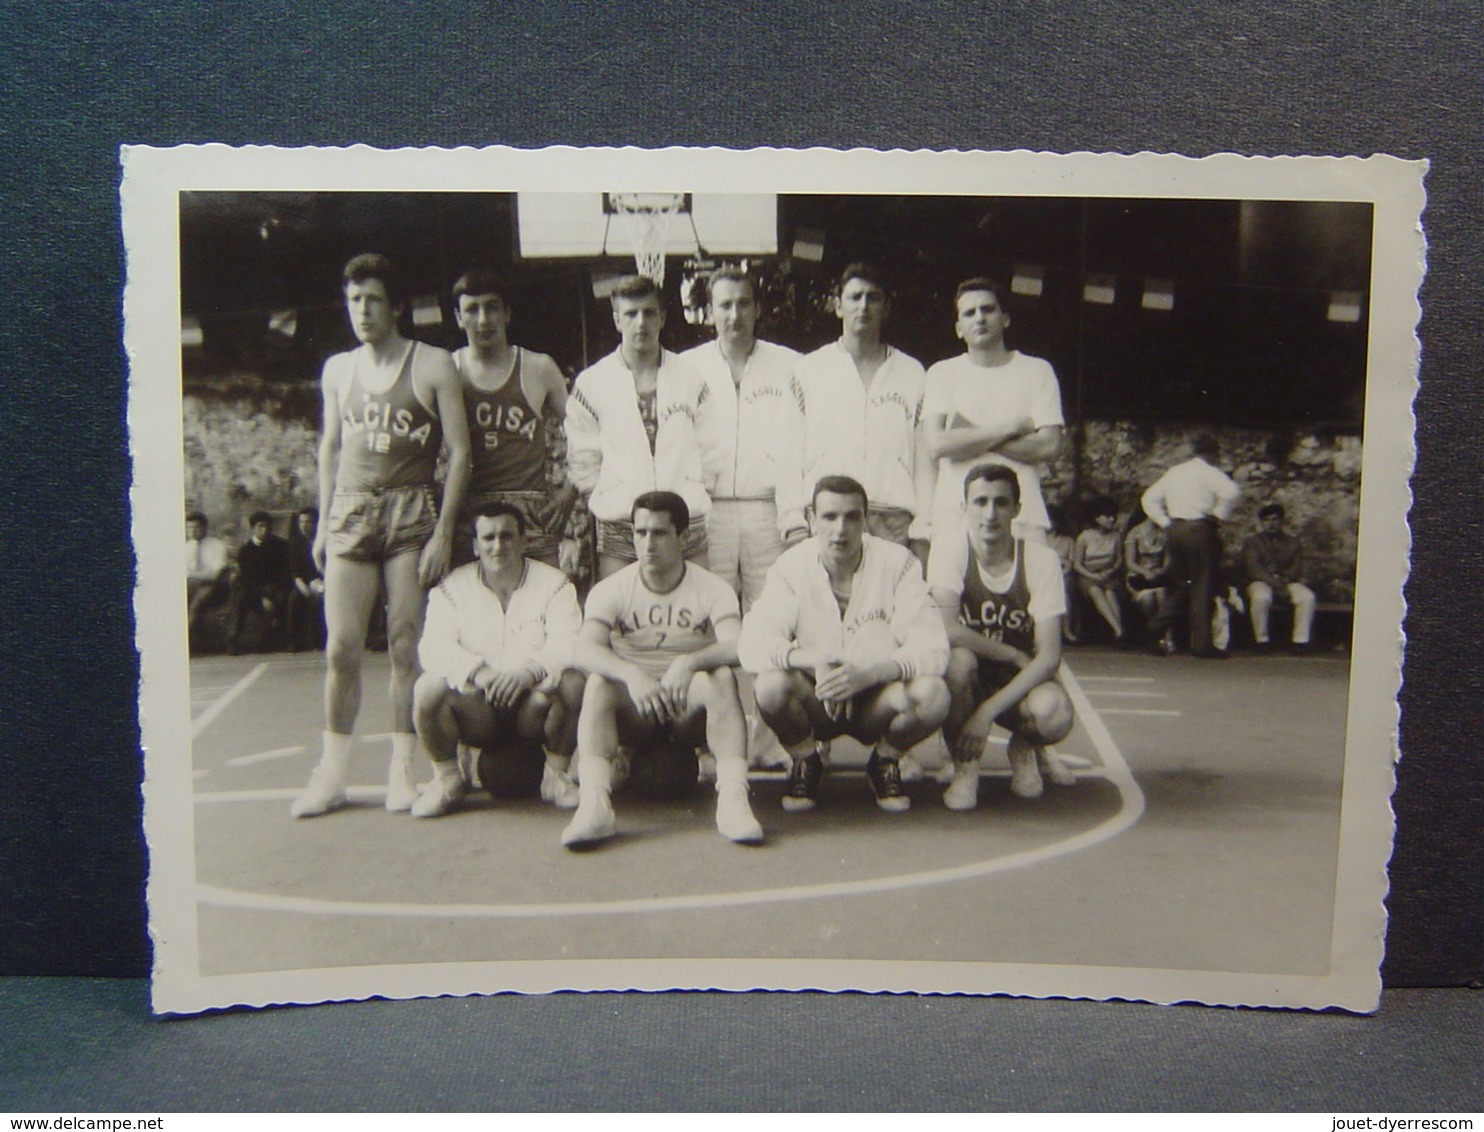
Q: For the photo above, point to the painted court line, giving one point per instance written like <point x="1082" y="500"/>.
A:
<point x="265" y="756"/>
<point x="1115" y="770"/>
<point x="1118" y="679"/>
<point x="1128" y="693"/>
<point x="208" y="717"/>
<point x="1137" y="711"/>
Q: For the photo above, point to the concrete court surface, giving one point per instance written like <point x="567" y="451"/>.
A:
<point x="1202" y="835"/>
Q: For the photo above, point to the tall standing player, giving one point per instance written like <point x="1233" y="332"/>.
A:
<point x="389" y="405"/>
<point x="1002" y="601"/>
<point x="508" y="393"/>
<point x="991" y="404"/>
<point x="632" y="427"/>
<point x="862" y="409"/>
<point x="845" y="640"/>
<point x="659" y="645"/>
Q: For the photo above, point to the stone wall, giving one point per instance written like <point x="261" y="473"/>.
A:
<point x="1316" y="477"/>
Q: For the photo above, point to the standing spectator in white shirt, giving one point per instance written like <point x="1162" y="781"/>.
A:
<point x="862" y="409"/>
<point x="993" y="405"/>
<point x="1190" y="501"/>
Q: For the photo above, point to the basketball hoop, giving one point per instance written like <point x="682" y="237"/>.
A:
<point x="647" y="218"/>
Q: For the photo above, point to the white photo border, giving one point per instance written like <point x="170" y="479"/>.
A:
<point x="153" y="178"/>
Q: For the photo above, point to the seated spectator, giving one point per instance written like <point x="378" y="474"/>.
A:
<point x="1274" y="561"/>
<point x="261" y="584"/>
<point x="1097" y="559"/>
<point x="206" y="571"/>
<point x="306" y="610"/>
<point x="1146" y="564"/>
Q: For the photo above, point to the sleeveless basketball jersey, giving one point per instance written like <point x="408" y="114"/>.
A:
<point x="1002" y="617"/>
<point x="507" y="436"/>
<point x="387" y="439"/>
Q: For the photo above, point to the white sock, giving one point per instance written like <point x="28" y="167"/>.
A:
<point x="335" y="751"/>
<point x="447" y="771"/>
<point x="731" y="772"/>
<point x="597" y="775"/>
<point x="404" y="743"/>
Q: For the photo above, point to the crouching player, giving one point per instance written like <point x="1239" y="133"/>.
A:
<point x="659" y="643"/>
<point x="845" y="641"/>
<point x="1002" y="600"/>
<point x="496" y="652"/>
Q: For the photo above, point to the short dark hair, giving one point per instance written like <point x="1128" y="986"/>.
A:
<point x="635" y="288"/>
<point x="729" y="274"/>
<point x="1271" y="511"/>
<point x="1101" y="505"/>
<point x="839" y="485"/>
<point x="980" y="283"/>
<point x="312" y="512"/>
<point x="994" y="473"/>
<point x="1206" y="446"/>
<point x="494" y="508"/>
<point x="260" y="517"/>
<point x="663" y="502"/>
<point x="374" y="265"/>
<point x="197" y="517"/>
<point x="866" y="273"/>
<point x="479" y="281"/>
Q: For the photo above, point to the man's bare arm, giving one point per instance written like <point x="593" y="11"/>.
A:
<point x="329" y="453"/>
<point x="443" y="382"/>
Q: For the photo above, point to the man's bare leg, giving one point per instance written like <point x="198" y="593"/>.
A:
<point x="560" y="740"/>
<point x="350" y="591"/>
<point x="597" y="744"/>
<point x="405" y="603"/>
<point x="726" y="735"/>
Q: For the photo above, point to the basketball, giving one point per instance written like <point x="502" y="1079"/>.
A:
<point x="664" y="771"/>
<point x="512" y="769"/>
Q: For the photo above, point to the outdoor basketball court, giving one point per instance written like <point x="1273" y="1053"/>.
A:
<point x="1201" y="835"/>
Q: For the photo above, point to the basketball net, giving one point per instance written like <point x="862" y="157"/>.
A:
<point x="647" y="218"/>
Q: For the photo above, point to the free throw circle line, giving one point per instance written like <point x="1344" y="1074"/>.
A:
<point x="1116" y="772"/>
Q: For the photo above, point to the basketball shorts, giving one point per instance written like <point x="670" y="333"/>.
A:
<point x="539" y="543"/>
<point x="374" y="526"/>
<point x="616" y="540"/>
<point x="994" y="675"/>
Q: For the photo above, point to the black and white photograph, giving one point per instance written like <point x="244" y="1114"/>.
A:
<point x="793" y="570"/>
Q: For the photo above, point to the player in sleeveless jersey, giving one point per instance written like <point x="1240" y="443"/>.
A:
<point x="508" y="393"/>
<point x="388" y="406"/>
<point x="1002" y="602"/>
<point x="659" y="644"/>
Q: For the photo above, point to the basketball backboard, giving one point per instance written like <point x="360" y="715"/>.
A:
<point x="564" y="225"/>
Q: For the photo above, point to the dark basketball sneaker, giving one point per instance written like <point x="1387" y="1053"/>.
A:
<point x="803" y="783"/>
<point x="886" y="781"/>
